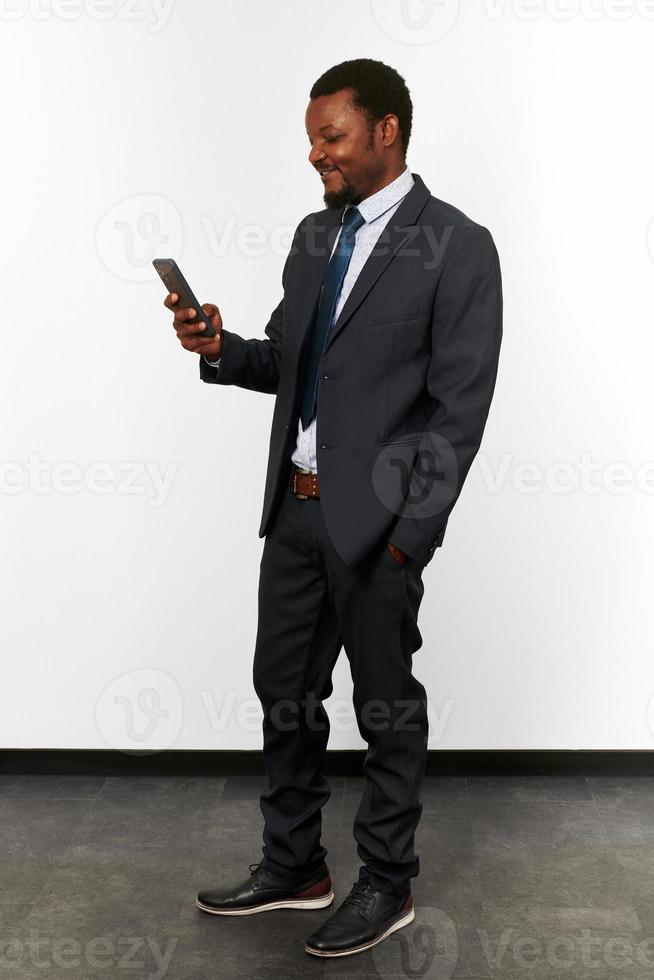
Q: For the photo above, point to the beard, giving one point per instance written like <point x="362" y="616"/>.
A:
<point x="344" y="195"/>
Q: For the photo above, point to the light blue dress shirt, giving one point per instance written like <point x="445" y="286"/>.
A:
<point x="378" y="209"/>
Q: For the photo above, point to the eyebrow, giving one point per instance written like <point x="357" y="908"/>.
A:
<point x="326" y="126"/>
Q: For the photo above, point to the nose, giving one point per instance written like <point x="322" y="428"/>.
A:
<point x="315" y="156"/>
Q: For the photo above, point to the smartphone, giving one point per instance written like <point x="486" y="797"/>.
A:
<point x="174" y="281"/>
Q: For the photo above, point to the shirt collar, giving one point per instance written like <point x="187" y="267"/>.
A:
<point x="377" y="204"/>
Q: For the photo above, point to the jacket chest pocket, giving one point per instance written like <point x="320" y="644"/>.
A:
<point x="391" y="319"/>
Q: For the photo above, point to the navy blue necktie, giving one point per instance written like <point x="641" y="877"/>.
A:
<point x="331" y="288"/>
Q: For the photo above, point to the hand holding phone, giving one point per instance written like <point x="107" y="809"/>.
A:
<point x="199" y="328"/>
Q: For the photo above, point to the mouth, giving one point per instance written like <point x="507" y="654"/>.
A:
<point x="325" y="174"/>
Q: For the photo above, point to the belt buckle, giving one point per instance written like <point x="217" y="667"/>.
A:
<point x="299" y="496"/>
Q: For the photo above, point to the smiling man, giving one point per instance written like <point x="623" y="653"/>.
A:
<point x="342" y="133"/>
<point x="382" y="355"/>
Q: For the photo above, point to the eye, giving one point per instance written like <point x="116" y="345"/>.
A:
<point x="331" y="139"/>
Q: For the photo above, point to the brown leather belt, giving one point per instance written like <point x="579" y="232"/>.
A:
<point x="304" y="483"/>
<point x="305" y="486"/>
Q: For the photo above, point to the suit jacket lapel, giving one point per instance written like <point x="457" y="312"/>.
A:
<point x="396" y="233"/>
<point x="320" y="233"/>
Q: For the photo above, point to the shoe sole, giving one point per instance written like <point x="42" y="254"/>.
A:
<point x="293" y="903"/>
<point x="398" y="924"/>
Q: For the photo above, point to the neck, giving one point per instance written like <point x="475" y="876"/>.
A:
<point x="384" y="181"/>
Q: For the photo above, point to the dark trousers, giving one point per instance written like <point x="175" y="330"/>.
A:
<point x="310" y="605"/>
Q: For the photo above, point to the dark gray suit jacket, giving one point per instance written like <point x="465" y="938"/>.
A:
<point x="406" y="380"/>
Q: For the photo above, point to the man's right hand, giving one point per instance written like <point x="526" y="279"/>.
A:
<point x="187" y="332"/>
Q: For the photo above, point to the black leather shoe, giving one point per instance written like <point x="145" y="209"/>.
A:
<point x="365" y="918"/>
<point x="264" y="890"/>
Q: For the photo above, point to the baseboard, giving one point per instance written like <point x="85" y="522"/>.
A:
<point x="579" y="762"/>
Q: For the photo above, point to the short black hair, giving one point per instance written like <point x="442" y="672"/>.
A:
<point x="379" y="89"/>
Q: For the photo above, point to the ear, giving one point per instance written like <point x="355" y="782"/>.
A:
<point x="390" y="129"/>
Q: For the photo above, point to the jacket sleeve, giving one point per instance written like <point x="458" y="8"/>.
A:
<point x="253" y="363"/>
<point x="466" y="339"/>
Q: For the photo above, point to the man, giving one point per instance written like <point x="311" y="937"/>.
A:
<point x="383" y="355"/>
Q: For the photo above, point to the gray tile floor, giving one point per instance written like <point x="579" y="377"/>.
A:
<point x="525" y="878"/>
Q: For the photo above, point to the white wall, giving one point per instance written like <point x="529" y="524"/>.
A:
<point x="156" y="131"/>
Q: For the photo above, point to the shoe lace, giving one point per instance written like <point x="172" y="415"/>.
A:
<point x="361" y="895"/>
<point x="257" y="870"/>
